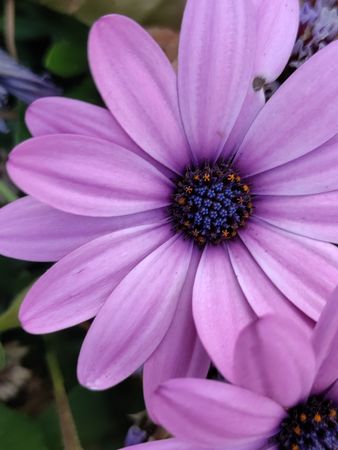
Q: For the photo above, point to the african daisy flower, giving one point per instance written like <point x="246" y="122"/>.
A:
<point x="161" y="212"/>
<point x="285" y="396"/>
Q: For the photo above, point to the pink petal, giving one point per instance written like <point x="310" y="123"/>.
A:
<point x="260" y="292"/>
<point x="165" y="444"/>
<point x="285" y="130"/>
<point x="75" y="288"/>
<point x="278" y="22"/>
<point x="304" y="270"/>
<point x="138" y="84"/>
<point x="325" y="341"/>
<point x="315" y="216"/>
<point x="135" y="318"/>
<point x="58" y="115"/>
<point x="212" y="413"/>
<point x="214" y="72"/>
<point x="332" y="394"/>
<point x="219" y="306"/>
<point x="253" y="103"/>
<point x="191" y="360"/>
<point x="33" y="231"/>
<point x="312" y="173"/>
<point x="275" y="358"/>
<point x="88" y="176"/>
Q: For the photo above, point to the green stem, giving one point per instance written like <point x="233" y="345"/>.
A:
<point x="6" y="192"/>
<point x="68" y="429"/>
<point x="9" y="318"/>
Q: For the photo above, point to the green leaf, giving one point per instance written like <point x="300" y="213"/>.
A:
<point x="67" y="59"/>
<point x="2" y="357"/>
<point x="85" y="90"/>
<point x="19" y="432"/>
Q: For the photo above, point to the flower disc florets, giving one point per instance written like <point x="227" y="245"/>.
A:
<point x="210" y="203"/>
<point x="310" y="426"/>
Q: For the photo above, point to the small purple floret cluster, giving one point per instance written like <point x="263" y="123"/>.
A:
<point x="194" y="223"/>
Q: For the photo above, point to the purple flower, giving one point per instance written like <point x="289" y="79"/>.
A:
<point x="135" y="435"/>
<point x="318" y="27"/>
<point x="163" y="217"/>
<point x="19" y="81"/>
<point x="285" y="396"/>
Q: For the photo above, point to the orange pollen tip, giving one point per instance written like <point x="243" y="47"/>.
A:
<point x="232" y="177"/>
<point x="295" y="447"/>
<point x="246" y="188"/>
<point x="206" y="177"/>
<point x="188" y="189"/>
<point x="298" y="430"/>
<point x="303" y="417"/>
<point x="333" y="413"/>
<point x="181" y="201"/>
<point x="317" y="418"/>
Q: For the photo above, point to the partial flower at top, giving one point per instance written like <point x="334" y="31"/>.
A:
<point x="20" y="82"/>
<point x="318" y="27"/>
<point x="164" y="216"/>
<point x="284" y="396"/>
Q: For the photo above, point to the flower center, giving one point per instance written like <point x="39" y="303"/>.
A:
<point x="210" y="203"/>
<point x="310" y="426"/>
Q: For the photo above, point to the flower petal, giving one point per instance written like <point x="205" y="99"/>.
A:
<point x="166" y="444"/>
<point x="277" y="31"/>
<point x="191" y="360"/>
<point x="262" y="295"/>
<point x="58" y="115"/>
<point x="135" y="318"/>
<point x="214" y="72"/>
<point x="75" y="288"/>
<point x="274" y="358"/>
<point x="87" y="176"/>
<point x="332" y="394"/>
<point x="284" y="129"/>
<point x="33" y="231"/>
<point x="138" y="84"/>
<point x="212" y="413"/>
<point x="325" y="341"/>
<point x="253" y="103"/>
<point x="315" y="216"/>
<point x="220" y="309"/>
<point x="312" y="173"/>
<point x="279" y="254"/>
